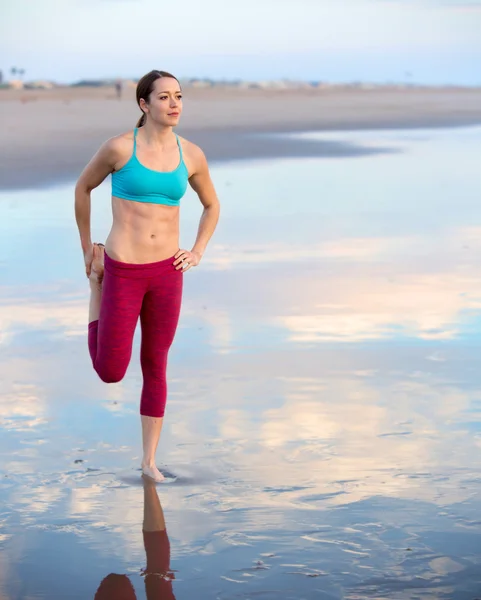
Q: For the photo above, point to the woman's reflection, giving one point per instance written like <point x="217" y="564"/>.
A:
<point x="157" y="574"/>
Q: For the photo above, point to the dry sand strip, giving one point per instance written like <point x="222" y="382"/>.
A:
<point x="48" y="136"/>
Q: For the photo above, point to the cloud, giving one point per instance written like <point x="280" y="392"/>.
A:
<point x="466" y="7"/>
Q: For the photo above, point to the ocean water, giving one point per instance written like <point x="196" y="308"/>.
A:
<point x="323" y="428"/>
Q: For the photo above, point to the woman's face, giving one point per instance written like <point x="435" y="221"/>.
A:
<point x="165" y="102"/>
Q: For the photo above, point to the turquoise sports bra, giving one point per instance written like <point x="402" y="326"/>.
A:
<point x="141" y="184"/>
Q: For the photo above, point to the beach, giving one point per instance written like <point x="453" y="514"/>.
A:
<point x="49" y="135"/>
<point x="322" y="435"/>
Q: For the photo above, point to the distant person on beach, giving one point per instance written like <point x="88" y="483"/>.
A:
<point x="118" y="88"/>
<point x="140" y="270"/>
<point x="157" y="574"/>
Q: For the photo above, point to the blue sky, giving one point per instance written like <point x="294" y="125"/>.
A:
<point x="426" y="41"/>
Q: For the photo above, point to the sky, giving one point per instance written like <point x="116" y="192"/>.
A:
<point x="417" y="41"/>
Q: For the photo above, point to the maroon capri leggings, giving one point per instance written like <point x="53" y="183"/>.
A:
<point x="152" y="291"/>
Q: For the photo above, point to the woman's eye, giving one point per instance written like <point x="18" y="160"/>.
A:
<point x="163" y="97"/>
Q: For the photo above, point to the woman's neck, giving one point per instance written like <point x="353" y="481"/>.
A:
<point x="155" y="135"/>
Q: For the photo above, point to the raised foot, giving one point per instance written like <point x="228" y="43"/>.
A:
<point x="153" y="473"/>
<point x="97" y="270"/>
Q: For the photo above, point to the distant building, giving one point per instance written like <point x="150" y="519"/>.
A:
<point x="200" y="83"/>
<point x="39" y="85"/>
<point x="92" y="83"/>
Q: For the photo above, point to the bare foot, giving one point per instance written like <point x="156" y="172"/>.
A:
<point x="152" y="472"/>
<point x="97" y="270"/>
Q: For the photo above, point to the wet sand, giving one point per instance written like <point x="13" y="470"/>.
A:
<point x="323" y="427"/>
<point x="48" y="136"/>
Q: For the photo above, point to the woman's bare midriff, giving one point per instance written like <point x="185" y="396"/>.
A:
<point x="141" y="232"/>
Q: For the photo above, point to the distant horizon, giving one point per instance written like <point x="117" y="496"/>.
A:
<point x="233" y="80"/>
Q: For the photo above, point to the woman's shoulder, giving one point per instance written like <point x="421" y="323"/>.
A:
<point x="121" y="143"/>
<point x="116" y="150"/>
<point x="191" y="150"/>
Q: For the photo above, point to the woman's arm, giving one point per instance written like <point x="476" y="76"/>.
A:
<point x="201" y="183"/>
<point x="91" y="177"/>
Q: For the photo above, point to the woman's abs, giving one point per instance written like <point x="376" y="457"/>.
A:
<point x="142" y="233"/>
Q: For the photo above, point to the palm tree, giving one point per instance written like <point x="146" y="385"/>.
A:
<point x="13" y="71"/>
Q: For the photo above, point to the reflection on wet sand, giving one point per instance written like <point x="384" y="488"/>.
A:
<point x="157" y="573"/>
<point x="324" y="421"/>
<point x="381" y="289"/>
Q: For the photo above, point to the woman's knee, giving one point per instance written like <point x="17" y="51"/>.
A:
<point x="110" y="373"/>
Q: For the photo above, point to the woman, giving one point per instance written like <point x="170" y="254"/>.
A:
<point x="139" y="272"/>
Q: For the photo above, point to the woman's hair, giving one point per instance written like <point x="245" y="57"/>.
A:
<point x="116" y="586"/>
<point x="145" y="87"/>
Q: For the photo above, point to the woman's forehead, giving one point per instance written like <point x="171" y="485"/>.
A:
<point x="166" y="84"/>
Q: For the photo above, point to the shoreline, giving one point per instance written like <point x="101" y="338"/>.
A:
<point x="49" y="138"/>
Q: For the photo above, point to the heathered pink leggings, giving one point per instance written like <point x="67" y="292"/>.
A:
<point x="152" y="291"/>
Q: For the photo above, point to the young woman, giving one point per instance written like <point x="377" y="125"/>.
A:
<point x="139" y="272"/>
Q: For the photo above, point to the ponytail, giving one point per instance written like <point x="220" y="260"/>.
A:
<point x="141" y="121"/>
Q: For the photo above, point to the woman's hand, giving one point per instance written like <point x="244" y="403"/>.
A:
<point x="184" y="260"/>
<point x="88" y="258"/>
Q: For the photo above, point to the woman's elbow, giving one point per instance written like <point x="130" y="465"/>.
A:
<point x="83" y="186"/>
<point x="212" y="204"/>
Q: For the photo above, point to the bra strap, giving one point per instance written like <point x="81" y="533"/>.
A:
<point x="136" y="129"/>
<point x="180" y="147"/>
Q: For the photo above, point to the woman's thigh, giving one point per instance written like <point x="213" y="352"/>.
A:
<point x="160" y="314"/>
<point x="119" y="312"/>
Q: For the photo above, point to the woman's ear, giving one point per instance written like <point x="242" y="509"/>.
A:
<point x="144" y="106"/>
